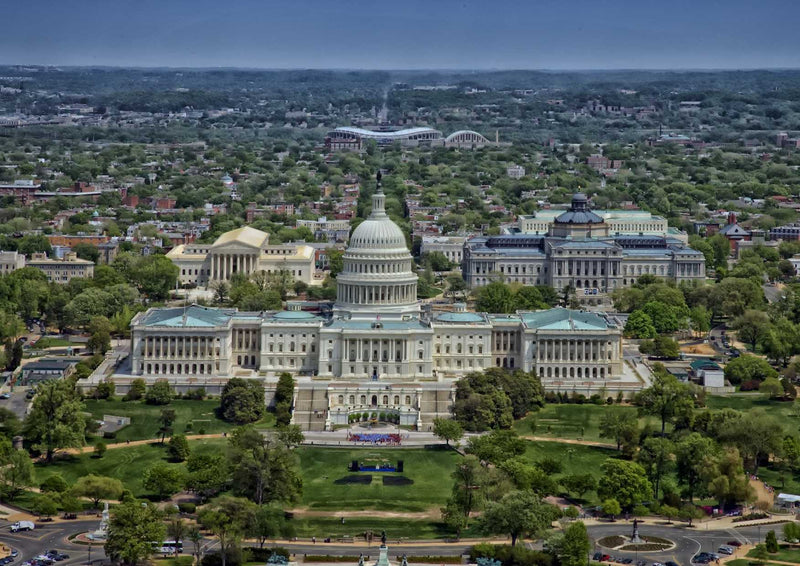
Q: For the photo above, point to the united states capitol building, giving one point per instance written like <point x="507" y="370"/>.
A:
<point x="379" y="350"/>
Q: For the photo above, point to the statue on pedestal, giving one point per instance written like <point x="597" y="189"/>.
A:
<point x="635" y="538"/>
<point x="102" y="530"/>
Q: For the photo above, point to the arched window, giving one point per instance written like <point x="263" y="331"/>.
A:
<point x="341" y="399"/>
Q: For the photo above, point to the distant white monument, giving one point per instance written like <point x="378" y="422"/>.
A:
<point x="102" y="530"/>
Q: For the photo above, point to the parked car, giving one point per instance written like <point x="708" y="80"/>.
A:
<point x="725" y="550"/>
<point x="734" y="543"/>
<point x="5" y="395"/>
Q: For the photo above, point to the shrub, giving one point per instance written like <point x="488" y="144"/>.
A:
<point x="750" y="385"/>
<point x="54" y="484"/>
<point x="100" y="449"/>
<point x="136" y="391"/>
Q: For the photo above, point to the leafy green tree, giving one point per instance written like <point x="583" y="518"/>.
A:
<point x="624" y="481"/>
<point x="573" y="547"/>
<point x="694" y="455"/>
<point x="526" y="476"/>
<point x="771" y="387"/>
<point x="208" y="474"/>
<point x="163" y="480"/>
<point x="496" y="297"/>
<point x="454" y="518"/>
<point x="264" y="470"/>
<point x="165" y="420"/>
<point x="700" y="319"/>
<point x="242" y="401"/>
<point x="16" y="470"/>
<point x="179" y="448"/>
<point x="579" y="484"/>
<point x="99" y="335"/>
<point x="760" y="553"/>
<point x="669" y="512"/>
<point x="497" y="446"/>
<point x="455" y="286"/>
<point x="791" y="532"/>
<point x="269" y="522"/>
<point x="656" y="457"/>
<point x="97" y="488"/>
<point x="447" y="430"/>
<point x="748" y="368"/>
<point x="137" y="390"/>
<point x="666" y="398"/>
<point x="227" y="517"/>
<point x="55" y="419"/>
<point x="756" y="434"/>
<point x="177" y="530"/>
<point x="132" y="530"/>
<point x="611" y="507"/>
<point x="771" y="542"/>
<point x="100" y="449"/>
<point x="727" y="480"/>
<point x="44" y="506"/>
<point x="640" y="325"/>
<point x="284" y="397"/>
<point x="87" y="252"/>
<point x="9" y="424"/>
<point x="54" y="484"/>
<point x="160" y="393"/>
<point x="751" y="327"/>
<point x="622" y="426"/>
<point x="518" y="514"/>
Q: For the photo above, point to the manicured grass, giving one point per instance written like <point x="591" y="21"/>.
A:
<point x="429" y="469"/>
<point x="784" y="554"/>
<point x="126" y="464"/>
<point x="395" y="528"/>
<point x="573" y="421"/>
<point x="144" y="418"/>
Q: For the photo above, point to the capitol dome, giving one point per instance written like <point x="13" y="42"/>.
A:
<point x="377" y="277"/>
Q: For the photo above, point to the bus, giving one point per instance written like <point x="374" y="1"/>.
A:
<point x="169" y="547"/>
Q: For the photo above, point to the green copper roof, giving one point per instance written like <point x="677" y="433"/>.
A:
<point x="564" y="319"/>
<point x="294" y="315"/>
<point x="193" y="316"/>
<point x="459" y="317"/>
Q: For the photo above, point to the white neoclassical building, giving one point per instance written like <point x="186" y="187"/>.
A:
<point x="378" y="351"/>
<point x="244" y="250"/>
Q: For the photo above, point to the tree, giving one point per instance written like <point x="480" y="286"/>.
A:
<point x="99" y="335"/>
<point x="227" y="517"/>
<point x="132" y="530"/>
<point x="104" y="390"/>
<point x="495" y="297"/>
<point x="694" y="455"/>
<point x="760" y="553"/>
<point x="208" y="474"/>
<point x="268" y="522"/>
<point x="9" y="424"/>
<point x="622" y="426"/>
<point x="160" y="393"/>
<point x="97" y="488"/>
<point x="453" y="517"/>
<point x="264" y="469"/>
<point x="179" y="448"/>
<point x="611" y="507"/>
<point x="518" y="514"/>
<point x="242" y="401"/>
<point x="177" y="530"/>
<point x="196" y="538"/>
<point x="791" y="532"/>
<point x="573" y="547"/>
<point x="447" y="430"/>
<point x="87" y="252"/>
<point x="455" y="286"/>
<point x="666" y="398"/>
<point x="771" y="542"/>
<point x="497" y="446"/>
<point x="727" y="480"/>
<point x="54" y="484"/>
<point x="44" y="506"/>
<point x="56" y="418"/>
<point x="668" y="511"/>
<point x="16" y="470"/>
<point x="640" y="325"/>
<point x="748" y="368"/>
<point x="154" y="276"/>
<point x="579" y="484"/>
<point x="284" y="397"/>
<point x="661" y="347"/>
<point x="655" y="456"/>
<point x="100" y="448"/>
<point x="751" y="326"/>
<point x="624" y="481"/>
<point x="771" y="387"/>
<point x="165" y="420"/>
<point x="163" y="480"/>
<point x="755" y="433"/>
<point x="137" y="390"/>
<point x="700" y="319"/>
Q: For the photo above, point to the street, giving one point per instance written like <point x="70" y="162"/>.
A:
<point x="689" y="541"/>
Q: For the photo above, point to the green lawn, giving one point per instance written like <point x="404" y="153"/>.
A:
<point x="428" y="469"/>
<point x="572" y="421"/>
<point x="126" y="464"/>
<point x="747" y="401"/>
<point x="784" y="554"/>
<point x="144" y="418"/>
<point x="395" y="528"/>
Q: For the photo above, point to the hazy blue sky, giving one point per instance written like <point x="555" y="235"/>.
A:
<point x="466" y="34"/>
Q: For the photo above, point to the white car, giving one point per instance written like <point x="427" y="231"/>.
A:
<point x="725" y="550"/>
<point x="5" y="395"/>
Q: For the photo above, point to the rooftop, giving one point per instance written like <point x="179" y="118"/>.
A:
<point x="564" y="319"/>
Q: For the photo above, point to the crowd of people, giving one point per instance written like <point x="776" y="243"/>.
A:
<point x="384" y="439"/>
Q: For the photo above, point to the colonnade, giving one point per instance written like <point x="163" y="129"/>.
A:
<point x="377" y="294"/>
<point x="246" y="339"/>
<point x="223" y="266"/>
<point x="176" y="347"/>
<point x="568" y="350"/>
<point x="372" y="350"/>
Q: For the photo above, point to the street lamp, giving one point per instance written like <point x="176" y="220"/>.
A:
<point x="90" y="553"/>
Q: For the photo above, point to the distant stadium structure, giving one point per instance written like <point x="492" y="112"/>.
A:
<point x="350" y="138"/>
<point x="466" y="139"/>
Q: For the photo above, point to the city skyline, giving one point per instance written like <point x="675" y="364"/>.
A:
<point x="355" y="34"/>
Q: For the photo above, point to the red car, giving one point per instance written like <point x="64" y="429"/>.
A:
<point x="733" y="543"/>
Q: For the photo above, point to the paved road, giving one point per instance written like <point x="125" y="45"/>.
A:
<point x="17" y="404"/>
<point x="773" y="293"/>
<point x="689" y="541"/>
